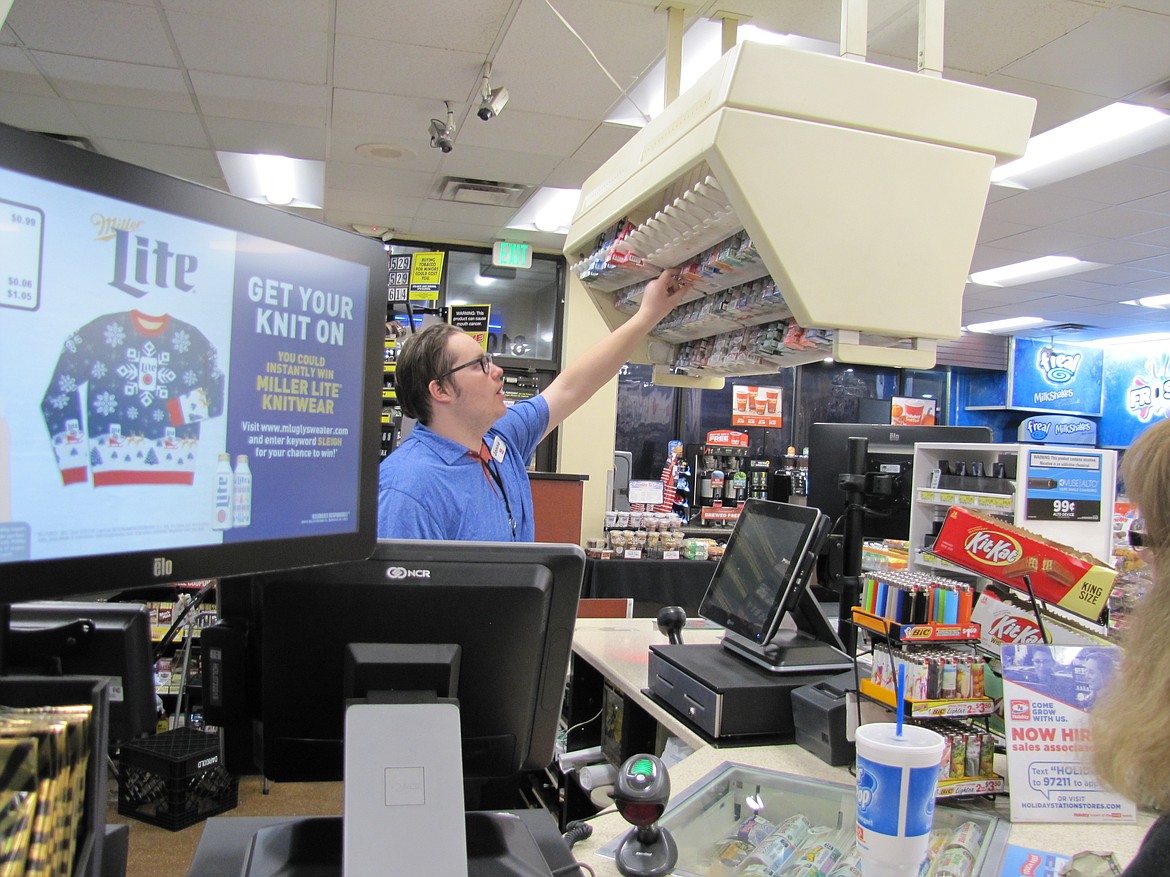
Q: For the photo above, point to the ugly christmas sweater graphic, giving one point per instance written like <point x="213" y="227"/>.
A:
<point x="126" y="399"/>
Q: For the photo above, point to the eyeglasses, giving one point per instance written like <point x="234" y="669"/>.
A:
<point x="484" y="362"/>
<point x="1138" y="538"/>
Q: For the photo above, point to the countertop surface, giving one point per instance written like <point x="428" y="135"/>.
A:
<point x="619" y="649"/>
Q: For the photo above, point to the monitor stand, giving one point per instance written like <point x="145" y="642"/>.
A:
<point x="499" y="844"/>
<point x="403" y="809"/>
<point x="790" y="651"/>
<point x="813" y="647"/>
<point x="403" y="790"/>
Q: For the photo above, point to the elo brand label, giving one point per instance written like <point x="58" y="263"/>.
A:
<point x="895" y="801"/>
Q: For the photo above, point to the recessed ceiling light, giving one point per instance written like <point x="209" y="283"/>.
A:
<point x="384" y="151"/>
<point x="548" y="209"/>
<point x="1108" y="135"/>
<point x="1043" y="268"/>
<point x="1150" y="301"/>
<point x="994" y="326"/>
<point x="274" y="179"/>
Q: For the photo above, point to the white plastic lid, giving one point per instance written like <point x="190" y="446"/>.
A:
<point x="915" y="747"/>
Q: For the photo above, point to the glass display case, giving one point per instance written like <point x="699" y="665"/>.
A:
<point x="738" y="816"/>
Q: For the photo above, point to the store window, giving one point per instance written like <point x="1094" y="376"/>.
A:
<point x="525" y="302"/>
<point x="646" y="421"/>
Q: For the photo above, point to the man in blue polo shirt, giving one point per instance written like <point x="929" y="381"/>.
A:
<point x="461" y="474"/>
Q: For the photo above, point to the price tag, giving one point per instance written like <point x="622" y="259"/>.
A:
<point x="21" y="240"/>
<point x="398" y="288"/>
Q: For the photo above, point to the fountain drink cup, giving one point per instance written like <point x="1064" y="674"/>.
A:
<point x="896" y="781"/>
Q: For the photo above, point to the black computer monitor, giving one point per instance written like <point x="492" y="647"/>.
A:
<point x="191" y="382"/>
<point x="761" y="581"/>
<point x="111" y="640"/>
<point x="510" y="608"/>
<point x="889" y="465"/>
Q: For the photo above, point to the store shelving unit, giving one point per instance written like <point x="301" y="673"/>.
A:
<point x="911" y="636"/>
<point x="1010" y="498"/>
<point x="829" y="186"/>
<point x="391" y="416"/>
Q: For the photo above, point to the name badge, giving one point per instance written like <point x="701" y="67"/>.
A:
<point x="499" y="449"/>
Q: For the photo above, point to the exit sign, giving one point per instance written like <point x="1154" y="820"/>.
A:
<point x="506" y="254"/>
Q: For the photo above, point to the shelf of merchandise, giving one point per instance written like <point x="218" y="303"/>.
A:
<point x="931" y="501"/>
<point x="935" y="708"/>
<point x="743" y="178"/>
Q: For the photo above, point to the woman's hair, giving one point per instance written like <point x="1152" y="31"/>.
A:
<point x="1129" y="748"/>
<point x="423" y="359"/>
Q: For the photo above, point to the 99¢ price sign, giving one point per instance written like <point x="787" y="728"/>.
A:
<point x="21" y="238"/>
<point x="1064" y="486"/>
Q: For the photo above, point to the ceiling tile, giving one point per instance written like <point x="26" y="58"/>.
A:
<point x="37" y="113"/>
<point x="19" y="74"/>
<point x="300" y="14"/>
<point x="117" y="84"/>
<point x="265" y="100"/>
<point x="179" y="161"/>
<point x="1113" y="222"/>
<point x="142" y="125"/>
<point x="240" y="135"/>
<point x="251" y="48"/>
<point x="367" y="64"/>
<point x="114" y="31"/>
<point x="467" y="25"/>
<point x="1113" y="54"/>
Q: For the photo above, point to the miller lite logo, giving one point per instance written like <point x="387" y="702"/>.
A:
<point x="996" y="549"/>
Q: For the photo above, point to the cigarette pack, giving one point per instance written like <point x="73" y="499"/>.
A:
<point x="1077" y="582"/>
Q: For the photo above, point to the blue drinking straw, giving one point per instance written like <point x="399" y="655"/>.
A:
<point x="901" y="696"/>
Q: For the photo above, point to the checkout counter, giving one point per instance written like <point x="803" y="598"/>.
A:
<point x="618" y="649"/>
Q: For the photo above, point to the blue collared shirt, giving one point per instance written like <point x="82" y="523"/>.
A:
<point x="430" y="488"/>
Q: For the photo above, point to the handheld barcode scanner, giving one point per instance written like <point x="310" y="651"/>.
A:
<point x="640" y="794"/>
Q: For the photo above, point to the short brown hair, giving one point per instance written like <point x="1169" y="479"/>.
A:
<point x="423" y="359"/>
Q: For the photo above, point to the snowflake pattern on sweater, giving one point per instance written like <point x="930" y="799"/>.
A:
<point x="126" y="399"/>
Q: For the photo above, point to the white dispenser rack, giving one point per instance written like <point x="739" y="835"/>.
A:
<point x="862" y="188"/>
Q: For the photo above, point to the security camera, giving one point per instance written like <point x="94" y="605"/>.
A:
<point x="443" y="133"/>
<point x="442" y="136"/>
<point x="493" y="103"/>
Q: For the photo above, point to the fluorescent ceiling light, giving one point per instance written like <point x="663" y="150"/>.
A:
<point x="701" y="48"/>
<point x="549" y="209"/>
<point x="274" y="179"/>
<point x="1044" y="268"/>
<point x="1150" y="301"/>
<point x="995" y="326"/>
<point x="480" y="280"/>
<point x="1110" y="134"/>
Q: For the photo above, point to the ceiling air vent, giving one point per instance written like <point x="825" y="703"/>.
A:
<point x="489" y="193"/>
<point x="71" y="139"/>
<point x="1062" y="328"/>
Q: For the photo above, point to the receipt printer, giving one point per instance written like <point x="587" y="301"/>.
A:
<point x="819" y="714"/>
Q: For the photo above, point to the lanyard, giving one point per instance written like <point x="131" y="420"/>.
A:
<point x="485" y="459"/>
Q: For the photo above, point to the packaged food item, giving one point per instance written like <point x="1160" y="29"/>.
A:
<point x="774" y="851"/>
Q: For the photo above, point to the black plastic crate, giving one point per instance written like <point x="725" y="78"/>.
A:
<point x="174" y="779"/>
